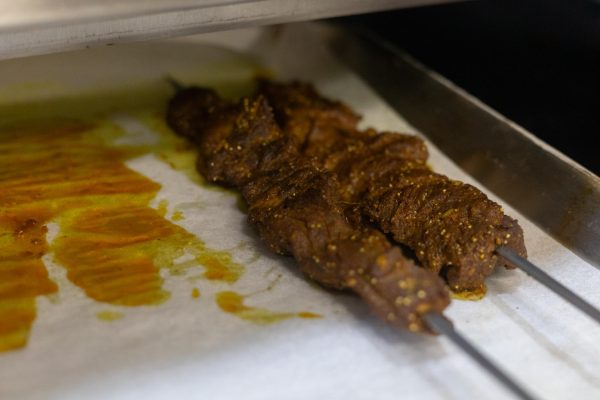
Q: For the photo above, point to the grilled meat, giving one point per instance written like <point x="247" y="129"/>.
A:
<point x="297" y="208"/>
<point x="452" y="227"/>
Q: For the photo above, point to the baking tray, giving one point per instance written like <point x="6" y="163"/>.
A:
<point x="187" y="347"/>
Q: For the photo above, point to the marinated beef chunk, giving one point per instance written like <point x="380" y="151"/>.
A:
<point x="201" y="116"/>
<point x="327" y="129"/>
<point x="297" y="209"/>
<point x="307" y="117"/>
<point x="448" y="224"/>
<point x="451" y="226"/>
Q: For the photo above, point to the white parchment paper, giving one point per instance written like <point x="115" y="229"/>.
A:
<point x="188" y="348"/>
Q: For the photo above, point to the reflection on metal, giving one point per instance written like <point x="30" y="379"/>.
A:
<point x="31" y="27"/>
<point x="556" y="193"/>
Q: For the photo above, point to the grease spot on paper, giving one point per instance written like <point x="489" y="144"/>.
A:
<point x="233" y="303"/>
<point x="110" y="241"/>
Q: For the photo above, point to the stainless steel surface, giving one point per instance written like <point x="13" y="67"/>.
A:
<point x="560" y="196"/>
<point x="41" y="26"/>
<point x="545" y="279"/>
<point x="441" y="325"/>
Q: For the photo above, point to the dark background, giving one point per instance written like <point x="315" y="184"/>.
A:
<point x="535" y="61"/>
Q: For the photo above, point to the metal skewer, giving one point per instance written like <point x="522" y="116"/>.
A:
<point x="177" y="86"/>
<point x="441" y="325"/>
<point x="549" y="282"/>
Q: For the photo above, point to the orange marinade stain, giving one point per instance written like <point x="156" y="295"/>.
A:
<point x="22" y="273"/>
<point x="233" y="303"/>
<point x="177" y="216"/>
<point x="308" y="315"/>
<point x="109" y="316"/>
<point x="472" y="295"/>
<point x="110" y="241"/>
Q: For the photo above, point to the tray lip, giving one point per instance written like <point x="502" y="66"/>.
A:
<point x="31" y="27"/>
<point x="41" y="14"/>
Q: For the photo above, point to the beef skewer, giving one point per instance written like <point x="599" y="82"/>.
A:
<point x="452" y="227"/>
<point x="326" y="129"/>
<point x="296" y="208"/>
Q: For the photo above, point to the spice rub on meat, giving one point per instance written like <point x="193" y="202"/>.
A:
<point x="296" y="206"/>
<point x="452" y="227"/>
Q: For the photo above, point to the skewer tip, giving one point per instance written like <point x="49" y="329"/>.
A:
<point x="176" y="85"/>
